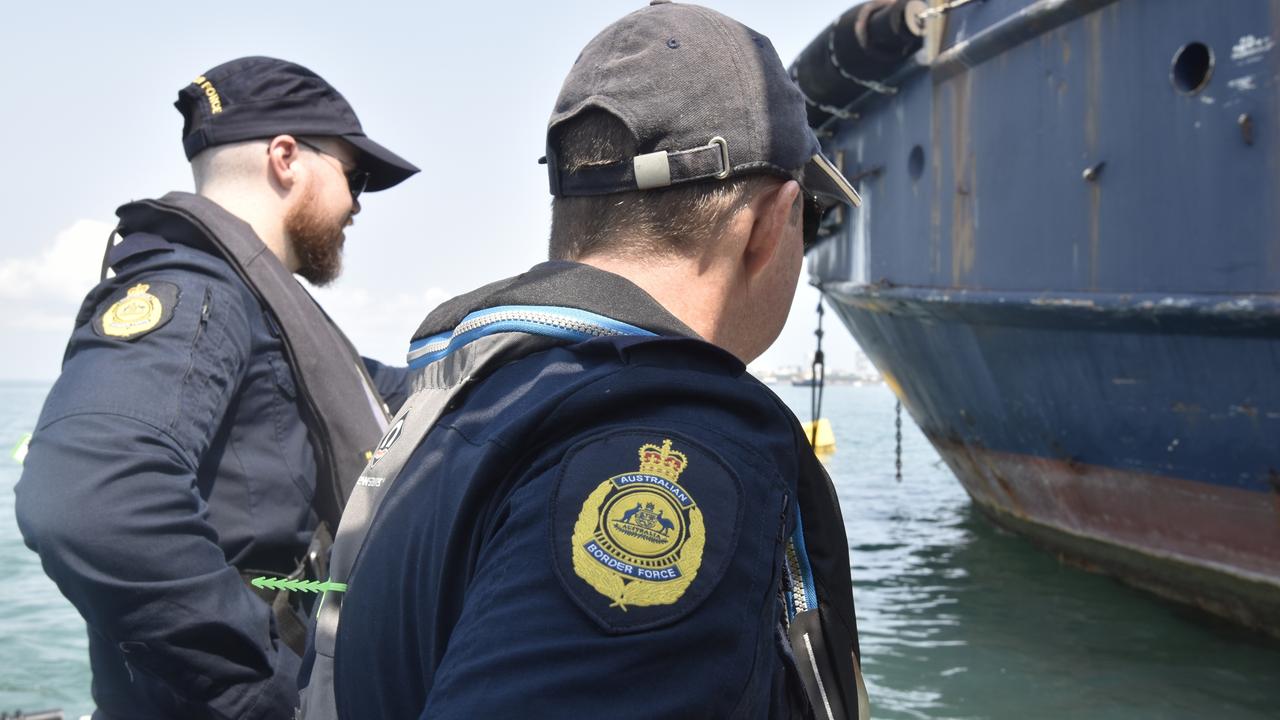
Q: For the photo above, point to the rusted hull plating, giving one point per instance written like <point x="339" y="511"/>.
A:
<point x="1068" y="267"/>
<point x="1140" y="442"/>
<point x="1200" y="544"/>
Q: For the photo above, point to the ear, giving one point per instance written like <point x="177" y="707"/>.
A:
<point x="773" y="212"/>
<point x="282" y="157"/>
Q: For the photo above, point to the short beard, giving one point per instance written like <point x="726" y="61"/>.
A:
<point x="317" y="240"/>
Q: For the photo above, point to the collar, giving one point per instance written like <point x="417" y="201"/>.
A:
<point x="564" y="284"/>
<point x="159" y="217"/>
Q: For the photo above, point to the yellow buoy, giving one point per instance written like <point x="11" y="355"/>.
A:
<point x="823" y="439"/>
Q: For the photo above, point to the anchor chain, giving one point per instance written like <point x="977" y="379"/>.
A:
<point x="897" y="436"/>
<point x="818" y="374"/>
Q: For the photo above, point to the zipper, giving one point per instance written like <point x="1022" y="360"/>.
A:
<point x="796" y="581"/>
<point x="204" y="314"/>
<point x="541" y="318"/>
<point x="803" y="591"/>
<point x="578" y="323"/>
<point x="538" y="318"/>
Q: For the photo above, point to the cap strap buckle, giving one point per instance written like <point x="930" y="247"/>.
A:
<point x="643" y="172"/>
<point x="652" y="170"/>
<point x="725" y="167"/>
<point x="662" y="168"/>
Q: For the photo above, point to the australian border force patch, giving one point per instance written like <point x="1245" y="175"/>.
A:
<point x="640" y="536"/>
<point x="643" y="549"/>
<point x="144" y="307"/>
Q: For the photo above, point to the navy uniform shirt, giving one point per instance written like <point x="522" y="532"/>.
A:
<point x="596" y="531"/>
<point x="171" y="455"/>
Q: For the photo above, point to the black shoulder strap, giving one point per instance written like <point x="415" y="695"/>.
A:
<point x="341" y="405"/>
<point x="822" y="626"/>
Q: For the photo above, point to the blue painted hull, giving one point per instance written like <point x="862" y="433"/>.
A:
<point x="1068" y="266"/>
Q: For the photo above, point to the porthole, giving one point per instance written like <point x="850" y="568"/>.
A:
<point x="915" y="162"/>
<point x="1192" y="68"/>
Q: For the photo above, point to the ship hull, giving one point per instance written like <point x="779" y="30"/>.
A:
<point x="1067" y="266"/>
<point x="1138" y="437"/>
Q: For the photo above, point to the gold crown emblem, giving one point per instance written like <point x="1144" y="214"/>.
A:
<point x="662" y="461"/>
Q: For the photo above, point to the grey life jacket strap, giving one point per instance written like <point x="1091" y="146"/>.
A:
<point x="439" y="385"/>
<point x="341" y="405"/>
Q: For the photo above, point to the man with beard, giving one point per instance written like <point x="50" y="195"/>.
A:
<point x="210" y="420"/>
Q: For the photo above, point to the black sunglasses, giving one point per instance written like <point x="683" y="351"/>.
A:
<point x="813" y="213"/>
<point x="357" y="179"/>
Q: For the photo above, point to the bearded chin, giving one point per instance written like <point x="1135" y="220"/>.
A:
<point x="317" y="241"/>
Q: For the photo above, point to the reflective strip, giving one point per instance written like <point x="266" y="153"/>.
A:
<point x="822" y="689"/>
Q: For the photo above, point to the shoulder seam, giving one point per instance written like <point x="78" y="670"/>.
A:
<point x="107" y="413"/>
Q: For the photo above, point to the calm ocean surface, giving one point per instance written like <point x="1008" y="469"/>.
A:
<point x="958" y="619"/>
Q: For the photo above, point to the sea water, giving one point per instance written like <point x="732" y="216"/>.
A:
<point x="957" y="619"/>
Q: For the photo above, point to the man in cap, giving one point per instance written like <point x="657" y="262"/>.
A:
<point x="589" y="508"/>
<point x="210" y="419"/>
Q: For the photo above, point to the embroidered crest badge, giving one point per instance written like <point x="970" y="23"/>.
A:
<point x="640" y="536"/>
<point x="145" y="307"/>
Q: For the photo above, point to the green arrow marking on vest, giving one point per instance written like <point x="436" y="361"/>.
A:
<point x="20" y="450"/>
<point x="311" y="586"/>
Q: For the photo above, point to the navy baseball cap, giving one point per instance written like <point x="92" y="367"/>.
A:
<point x="261" y="97"/>
<point x="705" y="97"/>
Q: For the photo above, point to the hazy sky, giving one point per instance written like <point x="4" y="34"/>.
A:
<point x="461" y="89"/>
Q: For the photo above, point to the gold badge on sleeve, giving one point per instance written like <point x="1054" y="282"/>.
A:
<point x="137" y="312"/>
<point x="639" y="537"/>
<point x="144" y="308"/>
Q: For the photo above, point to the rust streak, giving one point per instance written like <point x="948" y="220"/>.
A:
<point x="1273" y="259"/>
<point x="962" y="176"/>
<point x="1093" y="89"/>
<point x="1015" y="506"/>
<point x="1244" y="409"/>
<point x="1058" y="80"/>
<point x="937" y="122"/>
<point x="1273" y="478"/>
<point x="1189" y="412"/>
